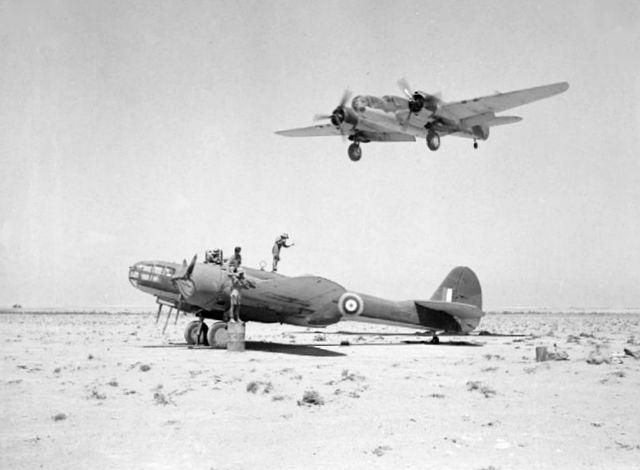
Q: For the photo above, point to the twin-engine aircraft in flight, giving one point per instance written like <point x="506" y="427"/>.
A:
<point x="420" y="115"/>
<point x="202" y="289"/>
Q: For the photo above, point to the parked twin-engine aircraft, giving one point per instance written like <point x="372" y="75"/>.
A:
<point x="203" y="289"/>
<point x="420" y="115"/>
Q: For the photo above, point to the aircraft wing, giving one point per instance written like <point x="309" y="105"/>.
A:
<point x="320" y="130"/>
<point x="303" y="299"/>
<point x="500" y="102"/>
<point x="374" y="134"/>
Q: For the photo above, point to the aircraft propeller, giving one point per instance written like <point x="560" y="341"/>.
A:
<point x="186" y="275"/>
<point x="338" y="115"/>
<point x="184" y="284"/>
<point x="419" y="100"/>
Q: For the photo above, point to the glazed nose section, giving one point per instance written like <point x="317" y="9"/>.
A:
<point x="135" y="272"/>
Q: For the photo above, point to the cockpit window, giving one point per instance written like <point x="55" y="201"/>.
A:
<point x="150" y="272"/>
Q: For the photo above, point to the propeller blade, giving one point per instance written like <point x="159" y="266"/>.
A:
<point x="192" y="265"/>
<point x="345" y="97"/>
<point x="337" y="115"/>
<point x="405" y="87"/>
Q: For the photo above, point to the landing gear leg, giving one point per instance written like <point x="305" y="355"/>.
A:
<point x="435" y="339"/>
<point x="355" y="152"/>
<point x="202" y="332"/>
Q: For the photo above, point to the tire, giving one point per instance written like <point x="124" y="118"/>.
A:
<point x="433" y="140"/>
<point x="191" y="333"/>
<point x="355" y="152"/>
<point x="218" y="336"/>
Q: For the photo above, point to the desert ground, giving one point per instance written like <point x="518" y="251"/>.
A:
<point x="110" y="390"/>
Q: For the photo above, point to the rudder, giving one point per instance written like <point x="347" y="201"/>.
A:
<point x="461" y="285"/>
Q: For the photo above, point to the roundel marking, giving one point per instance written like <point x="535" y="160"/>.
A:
<point x="350" y="304"/>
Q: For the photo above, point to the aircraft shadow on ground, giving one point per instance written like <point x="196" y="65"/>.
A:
<point x="317" y="350"/>
<point x="265" y="346"/>
<point x="414" y="335"/>
<point x="410" y="343"/>
<point x="288" y="348"/>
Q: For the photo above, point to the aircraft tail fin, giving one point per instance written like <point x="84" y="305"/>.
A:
<point x="462" y="286"/>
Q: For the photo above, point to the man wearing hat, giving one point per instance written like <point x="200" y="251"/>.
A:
<point x="281" y="242"/>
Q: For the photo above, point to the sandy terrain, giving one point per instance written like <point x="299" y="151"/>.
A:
<point x="110" y="391"/>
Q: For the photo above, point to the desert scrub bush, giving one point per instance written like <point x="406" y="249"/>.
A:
<point x="311" y="398"/>
<point x="97" y="395"/>
<point x="488" y="392"/>
<point x="255" y="386"/>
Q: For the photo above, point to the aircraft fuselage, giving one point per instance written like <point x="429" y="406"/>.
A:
<point x="302" y="301"/>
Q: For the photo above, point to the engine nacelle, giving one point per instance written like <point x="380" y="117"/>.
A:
<point x="432" y="103"/>
<point x="421" y="100"/>
<point x="481" y="132"/>
<point x="206" y="288"/>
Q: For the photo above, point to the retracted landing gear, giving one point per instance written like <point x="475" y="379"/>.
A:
<point x="355" y="152"/>
<point x="433" y="140"/>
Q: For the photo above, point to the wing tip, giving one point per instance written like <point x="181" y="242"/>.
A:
<point x="560" y="87"/>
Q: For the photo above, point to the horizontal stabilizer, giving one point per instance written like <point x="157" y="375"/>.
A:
<point x="447" y="316"/>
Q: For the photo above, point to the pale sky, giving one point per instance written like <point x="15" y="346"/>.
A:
<point x="145" y="130"/>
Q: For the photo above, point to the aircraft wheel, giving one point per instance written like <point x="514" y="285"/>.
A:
<point x="355" y="152"/>
<point x="433" y="140"/>
<point x="435" y="340"/>
<point x="475" y="144"/>
<point x="192" y="330"/>
<point x="218" y="335"/>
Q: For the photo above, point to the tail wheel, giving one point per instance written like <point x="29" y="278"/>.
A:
<point x="433" y="140"/>
<point x="355" y="152"/>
